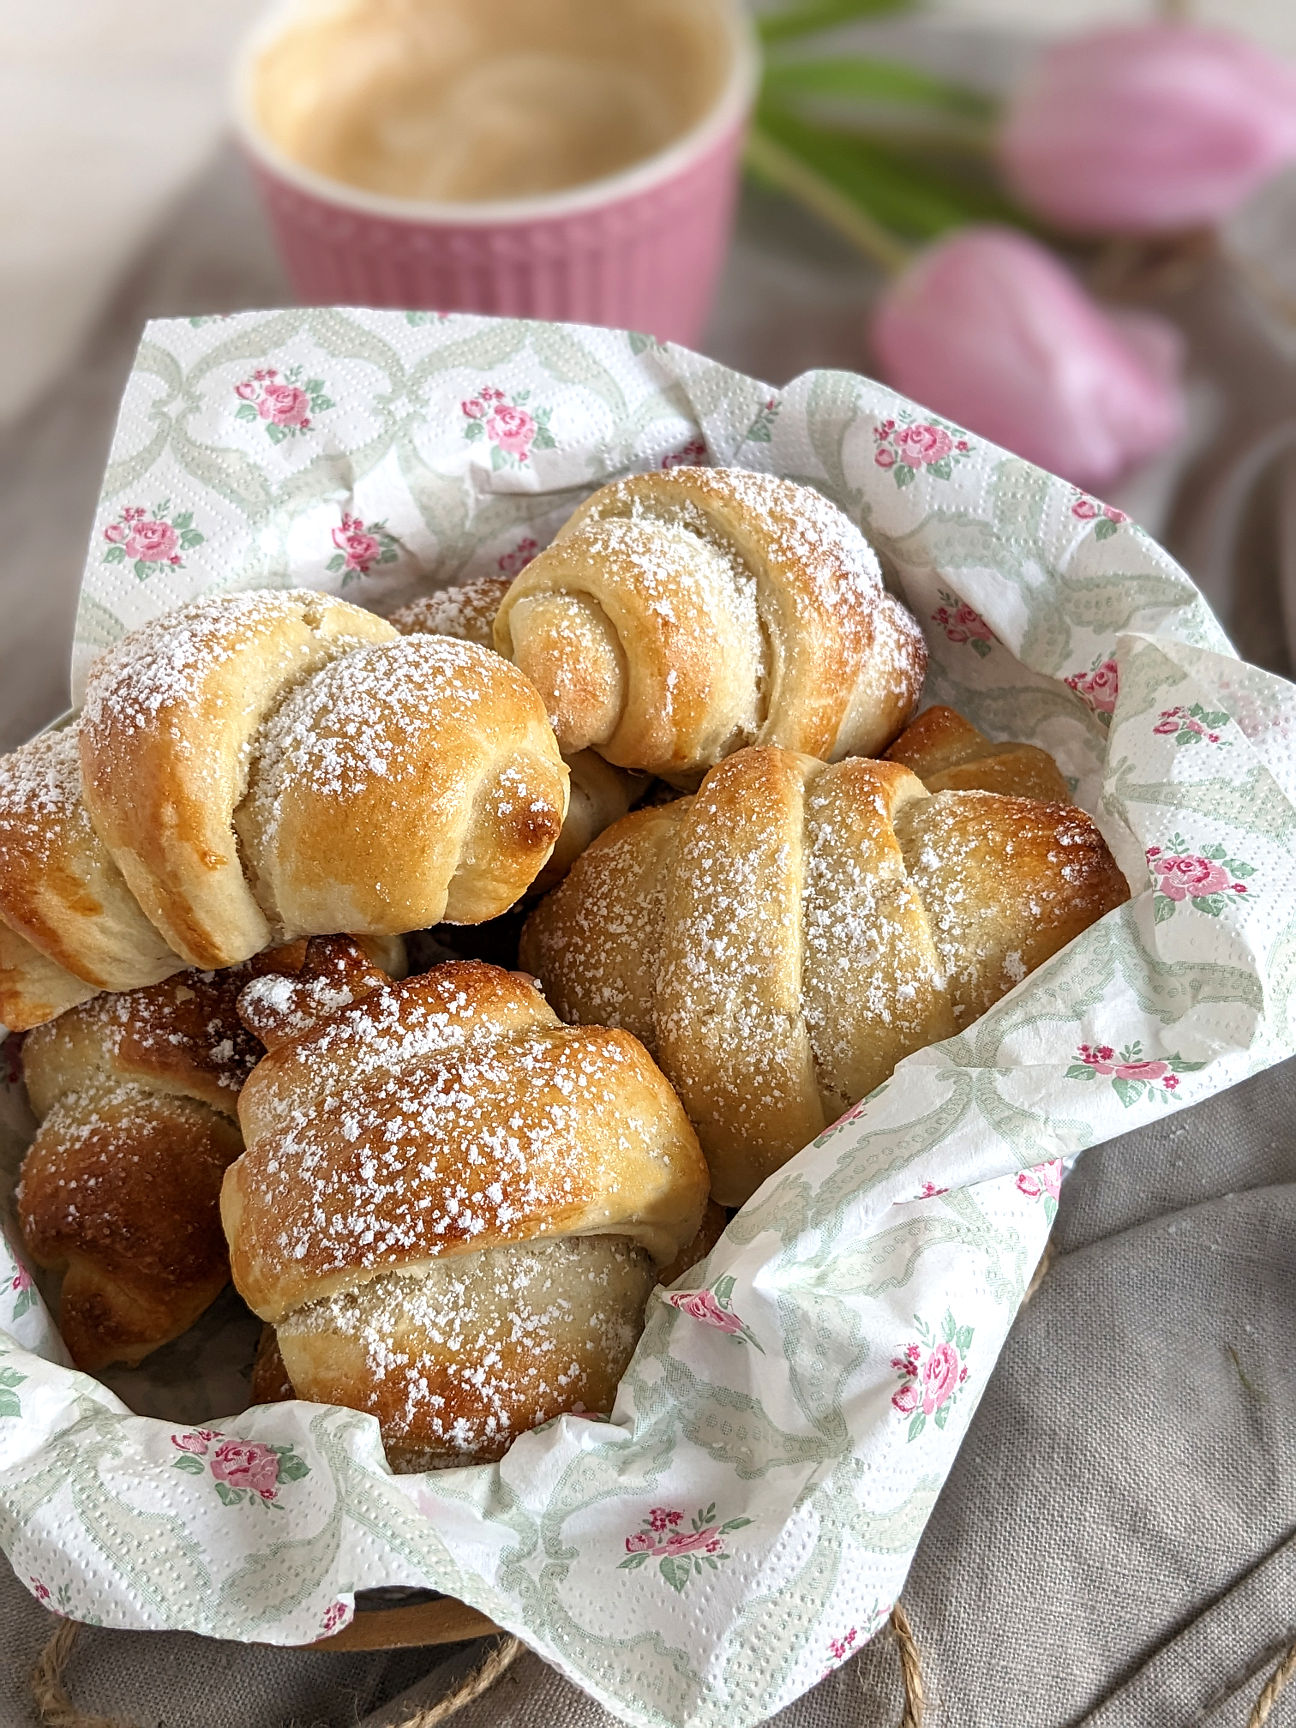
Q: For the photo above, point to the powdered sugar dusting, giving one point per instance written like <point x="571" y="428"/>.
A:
<point x="466" y="611"/>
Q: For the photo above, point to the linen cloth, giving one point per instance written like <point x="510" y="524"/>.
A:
<point x="1115" y="1545"/>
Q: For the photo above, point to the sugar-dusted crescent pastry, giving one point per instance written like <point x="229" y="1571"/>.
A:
<point x="452" y="1208"/>
<point x="254" y="767"/>
<point x="948" y="754"/>
<point x="600" y="793"/>
<point x="680" y="616"/>
<point x="784" y="938"/>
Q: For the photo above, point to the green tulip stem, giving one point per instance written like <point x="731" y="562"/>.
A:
<point x="790" y="174"/>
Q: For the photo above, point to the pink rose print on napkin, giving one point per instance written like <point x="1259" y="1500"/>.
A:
<point x="1132" y="1075"/>
<point x="240" y="1469"/>
<point x="1193" y="725"/>
<point x="511" y="430"/>
<point x="514" y="562"/>
<point x="23" y="1291"/>
<point x="335" y="1615"/>
<point x="361" y="545"/>
<point x="691" y="455"/>
<point x="1203" y="880"/>
<point x="761" y="430"/>
<point x="1106" y="518"/>
<point x="961" y="624"/>
<point x="1043" y="1182"/>
<point x="285" y="403"/>
<point x="712" y="1308"/>
<point x="1097" y="688"/>
<point x="680" y="1554"/>
<point x="148" y="540"/>
<point x="932" y="1372"/>
<point x="907" y="447"/>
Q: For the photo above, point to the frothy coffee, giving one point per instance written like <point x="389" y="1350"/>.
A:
<point x="472" y="100"/>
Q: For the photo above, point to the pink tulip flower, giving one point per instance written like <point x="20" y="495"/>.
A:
<point x="1147" y="128"/>
<point x="987" y="328"/>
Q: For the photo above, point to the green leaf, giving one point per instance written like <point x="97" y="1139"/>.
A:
<point x="277" y="434"/>
<point x="1211" y="904"/>
<point x="245" y="411"/>
<point x="639" y="343"/>
<point x="942" y="1416"/>
<point x="963" y="1338"/>
<point x="1163" y="907"/>
<point x="949" y="1326"/>
<point x="866" y="79"/>
<point x="313" y="386"/>
<point x="940" y="469"/>
<point x="917" y="1425"/>
<point x="183" y="520"/>
<point x="9" y="1405"/>
<point x="141" y="569"/>
<point x="291" y="1467"/>
<point x="1104" y="528"/>
<point x="1188" y="738"/>
<point x="734" y="1524"/>
<point x="474" y="429"/>
<point x="544" y="438"/>
<point x="230" y="1496"/>
<point x="1128" y="1091"/>
<point x="189" y="1464"/>
<point x="335" y="563"/>
<point x="499" y="458"/>
<point x="628" y="1565"/>
<point x="676" y="1572"/>
<point x="910" y="194"/>
<point x="1239" y="868"/>
<point x="980" y="647"/>
<point x="723" y="1289"/>
<point x="794" y="21"/>
<point x="320" y="403"/>
<point x="1080" y="1071"/>
<point x="114" y="554"/>
<point x="1179" y="1066"/>
<point x="903" y="474"/>
<point x="191" y="537"/>
<point x="10" y="1377"/>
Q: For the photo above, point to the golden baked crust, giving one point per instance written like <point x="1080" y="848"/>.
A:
<point x="786" y="936"/>
<point x="410" y="782"/>
<point x="68" y="923"/>
<point x="136" y="1095"/>
<point x="948" y="754"/>
<point x="452" y="1206"/>
<point x="172" y="718"/>
<point x="680" y="616"/>
<point x="599" y="793"/>
<point x="466" y="610"/>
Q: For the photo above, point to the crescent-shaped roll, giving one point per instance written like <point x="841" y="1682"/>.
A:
<point x="452" y="1207"/>
<point x="255" y="767"/>
<point x="599" y="792"/>
<point x="948" y="754"/>
<point x="680" y="616"/>
<point x="136" y="1094"/>
<point x="784" y="938"/>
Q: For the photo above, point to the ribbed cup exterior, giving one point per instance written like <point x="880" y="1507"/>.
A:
<point x="644" y="260"/>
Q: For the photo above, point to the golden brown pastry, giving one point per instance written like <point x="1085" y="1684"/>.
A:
<point x="599" y="793"/>
<point x="451" y="1207"/>
<point x="948" y="754"/>
<point x="259" y="766"/>
<point x="680" y="616"/>
<point x="784" y="938"/>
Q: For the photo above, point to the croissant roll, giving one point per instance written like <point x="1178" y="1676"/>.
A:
<point x="452" y="1208"/>
<point x="948" y="754"/>
<point x="680" y="616"/>
<point x="784" y="938"/>
<point x="69" y="925"/>
<point x="600" y="793"/>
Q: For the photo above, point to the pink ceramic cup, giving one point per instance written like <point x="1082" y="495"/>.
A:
<point x="639" y="250"/>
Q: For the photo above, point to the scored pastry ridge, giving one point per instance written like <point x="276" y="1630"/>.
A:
<point x="815" y="923"/>
<point x="680" y="616"/>
<point x="452" y="1206"/>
